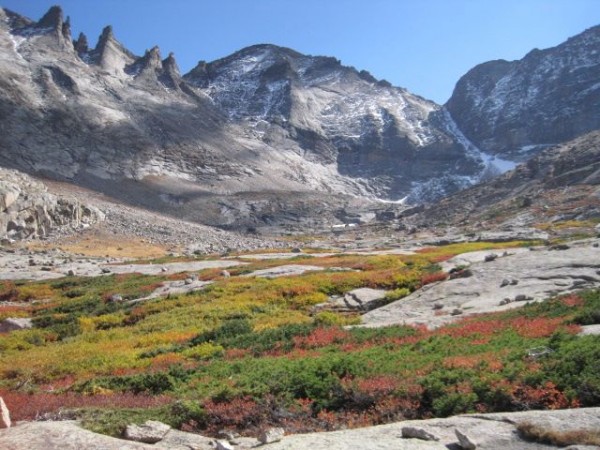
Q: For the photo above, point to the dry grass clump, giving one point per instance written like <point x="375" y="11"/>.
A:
<point x="545" y="435"/>
<point x="101" y="243"/>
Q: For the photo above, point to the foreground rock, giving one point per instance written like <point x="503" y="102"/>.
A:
<point x="271" y="435"/>
<point x="509" y="280"/>
<point x="491" y="432"/>
<point x="5" y="421"/>
<point x="150" y="432"/>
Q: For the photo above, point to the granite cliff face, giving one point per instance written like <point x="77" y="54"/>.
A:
<point x="514" y="109"/>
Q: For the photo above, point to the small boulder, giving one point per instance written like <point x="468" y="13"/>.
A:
<point x="490" y="257"/>
<point x="437" y="306"/>
<point x="115" y="298"/>
<point x="150" y="432"/>
<point x="4" y="415"/>
<point x="223" y="445"/>
<point x="15" y="323"/>
<point x="105" y="270"/>
<point x="225" y="273"/>
<point x="231" y="436"/>
<point x="463" y="273"/>
<point x="296" y="250"/>
<point x="456" y="312"/>
<point x="465" y="441"/>
<point x="418" y="433"/>
<point x="271" y="435"/>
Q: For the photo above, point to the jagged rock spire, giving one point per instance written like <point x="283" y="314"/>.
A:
<point x="151" y="59"/>
<point x="66" y="29"/>
<point x="81" y="44"/>
<point x="59" y="28"/>
<point x="52" y="19"/>
<point x="110" y="54"/>
<point x="106" y="36"/>
<point x="170" y="65"/>
<point x="171" y="75"/>
<point x="198" y="76"/>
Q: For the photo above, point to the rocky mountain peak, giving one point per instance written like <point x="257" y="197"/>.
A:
<point x="516" y="108"/>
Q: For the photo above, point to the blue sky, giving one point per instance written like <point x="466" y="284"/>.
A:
<point x="422" y="45"/>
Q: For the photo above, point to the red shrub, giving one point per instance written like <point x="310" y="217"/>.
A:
<point x="235" y="353"/>
<point x="433" y="278"/>
<point x="242" y="414"/>
<point x="31" y="406"/>
<point x="544" y="397"/>
<point x="572" y="300"/>
<point x="537" y="327"/>
<point x="322" y="337"/>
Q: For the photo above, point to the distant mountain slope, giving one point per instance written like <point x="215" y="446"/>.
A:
<point x="561" y="183"/>
<point x="264" y="118"/>
<point x="512" y="109"/>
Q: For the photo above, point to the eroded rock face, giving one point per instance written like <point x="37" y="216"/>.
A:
<point x="27" y="210"/>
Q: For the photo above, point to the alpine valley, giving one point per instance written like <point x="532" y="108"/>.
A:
<point x="278" y="250"/>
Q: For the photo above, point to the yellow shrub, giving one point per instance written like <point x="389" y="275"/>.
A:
<point x="206" y="350"/>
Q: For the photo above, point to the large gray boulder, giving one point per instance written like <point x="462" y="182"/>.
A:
<point x="28" y="210"/>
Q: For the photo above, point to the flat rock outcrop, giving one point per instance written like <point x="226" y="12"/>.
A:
<point x="486" y="431"/>
<point x="495" y="281"/>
